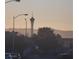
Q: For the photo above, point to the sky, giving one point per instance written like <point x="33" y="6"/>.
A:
<point x="56" y="14"/>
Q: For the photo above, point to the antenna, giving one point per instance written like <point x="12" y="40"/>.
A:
<point x="32" y="13"/>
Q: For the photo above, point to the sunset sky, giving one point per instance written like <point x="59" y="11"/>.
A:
<point x="57" y="14"/>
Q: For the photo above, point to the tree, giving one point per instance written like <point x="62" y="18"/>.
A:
<point x="46" y="33"/>
<point x="60" y="40"/>
<point x="47" y="39"/>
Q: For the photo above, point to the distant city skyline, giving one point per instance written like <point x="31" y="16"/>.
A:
<point x="56" y="14"/>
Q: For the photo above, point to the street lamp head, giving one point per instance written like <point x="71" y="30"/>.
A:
<point x="17" y="0"/>
<point x="25" y="14"/>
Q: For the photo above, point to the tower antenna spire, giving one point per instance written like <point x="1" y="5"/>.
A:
<point x="32" y="24"/>
<point x="32" y="14"/>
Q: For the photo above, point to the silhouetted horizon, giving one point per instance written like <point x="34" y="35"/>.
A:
<point x="64" y="34"/>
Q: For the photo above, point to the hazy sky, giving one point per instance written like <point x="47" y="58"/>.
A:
<point x="57" y="14"/>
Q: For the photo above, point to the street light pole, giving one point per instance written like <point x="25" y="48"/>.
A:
<point x="14" y="28"/>
<point x="13" y="23"/>
<point x="13" y="32"/>
<point x="15" y="18"/>
<point x="26" y="27"/>
<point x="12" y="1"/>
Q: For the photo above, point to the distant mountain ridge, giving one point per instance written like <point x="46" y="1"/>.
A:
<point x="64" y="34"/>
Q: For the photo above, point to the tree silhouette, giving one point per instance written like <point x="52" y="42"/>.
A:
<point x="47" y="39"/>
<point x="60" y="40"/>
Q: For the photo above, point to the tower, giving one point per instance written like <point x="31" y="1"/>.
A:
<point x="32" y="24"/>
